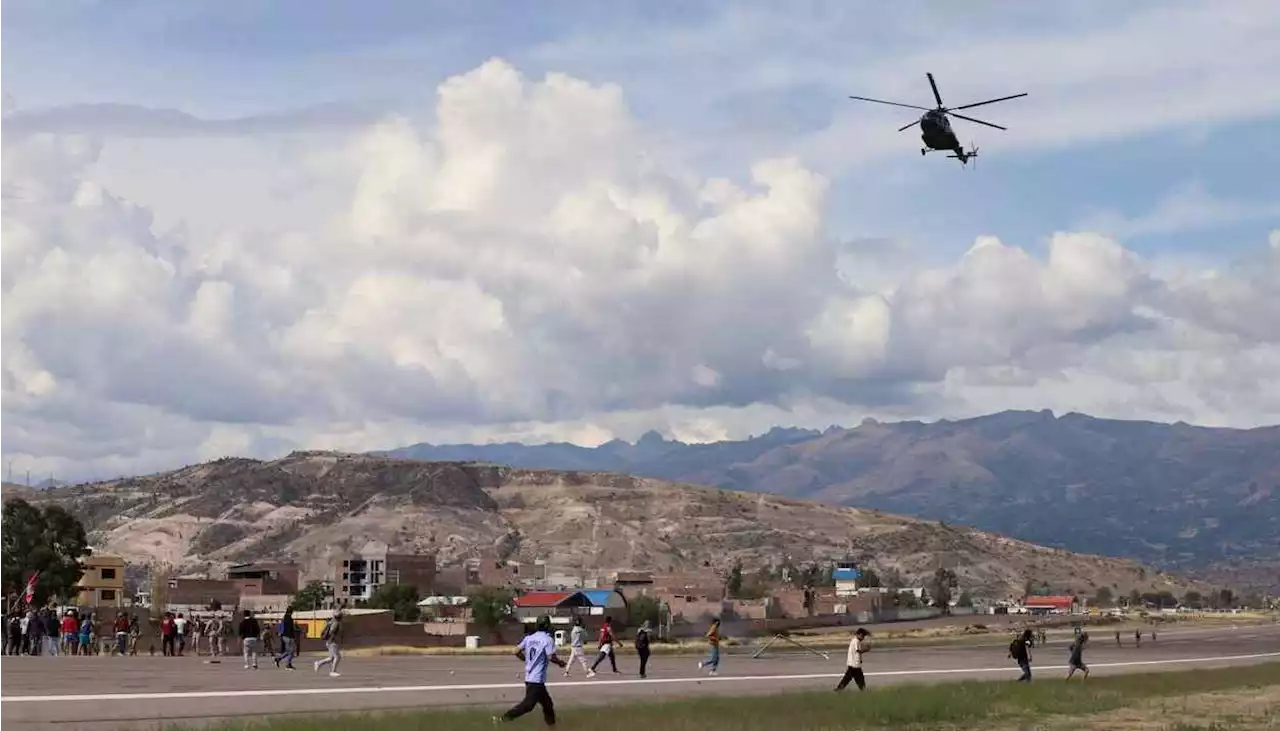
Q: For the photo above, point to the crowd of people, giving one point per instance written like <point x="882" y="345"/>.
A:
<point x="86" y="632"/>
<point x="74" y="632"/>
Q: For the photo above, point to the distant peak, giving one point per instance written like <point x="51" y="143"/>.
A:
<point x="651" y="437"/>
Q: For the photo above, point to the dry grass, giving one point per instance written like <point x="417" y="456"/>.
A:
<point x="1115" y="703"/>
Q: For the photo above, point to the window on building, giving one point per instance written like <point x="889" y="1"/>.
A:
<point x="107" y="595"/>
<point x="108" y="574"/>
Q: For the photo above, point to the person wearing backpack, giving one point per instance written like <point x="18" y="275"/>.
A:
<point x="1020" y="651"/>
<point x="288" y="639"/>
<point x="332" y="636"/>
<point x="642" y="647"/>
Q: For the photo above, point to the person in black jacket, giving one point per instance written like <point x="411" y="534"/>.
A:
<point x="1020" y="651"/>
<point x="288" y="639"/>
<point x="642" y="646"/>
<point x="250" y="637"/>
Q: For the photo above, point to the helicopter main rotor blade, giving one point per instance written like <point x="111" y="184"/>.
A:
<point x="979" y="121"/>
<point x="909" y="126"/>
<point x="881" y="101"/>
<point x="990" y="101"/>
<point x="936" y="95"/>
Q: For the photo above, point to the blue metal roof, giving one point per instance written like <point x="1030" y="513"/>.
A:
<point x="846" y="574"/>
<point x="598" y="597"/>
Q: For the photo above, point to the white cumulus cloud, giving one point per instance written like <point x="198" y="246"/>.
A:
<point x="529" y="263"/>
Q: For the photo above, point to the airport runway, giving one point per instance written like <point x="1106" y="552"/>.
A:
<point x="136" y="693"/>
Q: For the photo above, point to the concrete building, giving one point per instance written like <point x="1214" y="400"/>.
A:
<point x="102" y="583"/>
<point x="265" y="577"/>
<point x="846" y="575"/>
<point x="192" y="593"/>
<point x="360" y="574"/>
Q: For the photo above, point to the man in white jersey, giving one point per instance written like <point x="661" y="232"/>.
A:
<point x="853" y="661"/>
<point x="536" y="649"/>
<point x="577" y="647"/>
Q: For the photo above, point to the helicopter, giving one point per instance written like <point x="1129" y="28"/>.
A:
<point x="935" y="128"/>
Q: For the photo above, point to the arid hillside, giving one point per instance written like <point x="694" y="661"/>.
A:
<point x="311" y="504"/>
<point x="1176" y="496"/>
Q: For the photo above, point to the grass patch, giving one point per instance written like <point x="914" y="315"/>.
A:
<point x="949" y="705"/>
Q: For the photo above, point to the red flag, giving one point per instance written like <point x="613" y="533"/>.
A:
<point x="31" y="587"/>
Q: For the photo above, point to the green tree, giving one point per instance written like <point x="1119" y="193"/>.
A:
<point x="1103" y="597"/>
<point x="1135" y="599"/>
<point x="1252" y="600"/>
<point x="489" y="607"/>
<point x="941" y="587"/>
<point x="45" y="539"/>
<point x="869" y="579"/>
<point x="312" y="596"/>
<point x="646" y="609"/>
<point x="401" y="599"/>
<point x="1193" y="599"/>
<point x="965" y="600"/>
<point x="907" y="600"/>
<point x="734" y="583"/>
<point x="1226" y="599"/>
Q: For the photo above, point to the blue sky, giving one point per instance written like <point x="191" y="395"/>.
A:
<point x="723" y="78"/>
<point x="268" y="180"/>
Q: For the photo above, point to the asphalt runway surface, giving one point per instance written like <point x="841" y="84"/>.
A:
<point x="139" y="692"/>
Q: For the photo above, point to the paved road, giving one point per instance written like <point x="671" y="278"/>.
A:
<point x="106" y="693"/>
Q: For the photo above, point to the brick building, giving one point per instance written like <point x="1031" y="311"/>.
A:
<point x="360" y="574"/>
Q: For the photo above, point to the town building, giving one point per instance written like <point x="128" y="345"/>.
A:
<point x="563" y="606"/>
<point x="1050" y="604"/>
<point x="265" y="577"/>
<point x="360" y="574"/>
<point x="846" y="575"/>
<point x="102" y="583"/>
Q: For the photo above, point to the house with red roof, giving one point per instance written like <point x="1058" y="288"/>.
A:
<point x="534" y="604"/>
<point x="1050" y="604"/>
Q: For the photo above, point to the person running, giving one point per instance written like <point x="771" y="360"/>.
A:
<point x="606" y="641"/>
<point x="250" y="637"/>
<point x="713" y="648"/>
<point x="1118" y="642"/>
<point x="1077" y="657"/>
<point x="536" y="650"/>
<point x="577" y="648"/>
<point x="1137" y="638"/>
<point x="853" y="661"/>
<point x="332" y="636"/>
<point x="288" y="639"/>
<point x="642" y="647"/>
<point x="1020" y="651"/>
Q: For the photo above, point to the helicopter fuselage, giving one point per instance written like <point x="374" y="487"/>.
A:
<point x="936" y="132"/>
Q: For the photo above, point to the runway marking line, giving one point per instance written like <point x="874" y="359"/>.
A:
<point x="341" y="690"/>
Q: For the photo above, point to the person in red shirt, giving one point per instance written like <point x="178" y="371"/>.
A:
<point x="607" y="642"/>
<point x="168" y="635"/>
<point x="70" y="628"/>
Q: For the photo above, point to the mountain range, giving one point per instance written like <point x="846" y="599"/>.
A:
<point x="1177" y="496"/>
<point x="315" y="507"/>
